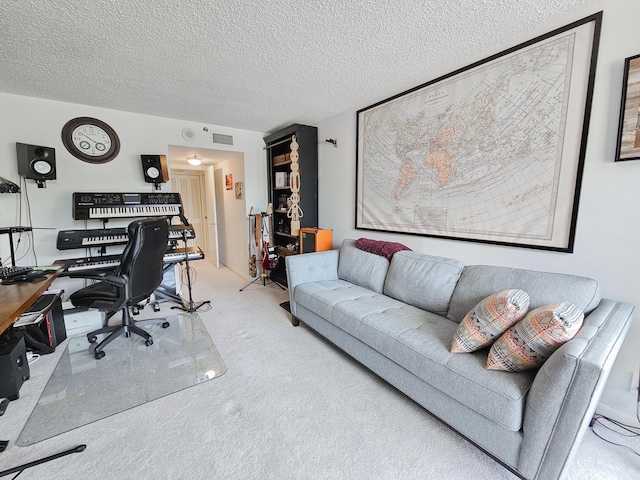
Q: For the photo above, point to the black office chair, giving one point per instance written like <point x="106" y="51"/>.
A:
<point x="134" y="280"/>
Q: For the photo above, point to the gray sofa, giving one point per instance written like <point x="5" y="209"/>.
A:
<point x="398" y="318"/>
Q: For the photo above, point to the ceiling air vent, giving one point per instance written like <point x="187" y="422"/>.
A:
<point x="223" y="139"/>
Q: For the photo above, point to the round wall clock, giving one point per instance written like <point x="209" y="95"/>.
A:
<point x="91" y="140"/>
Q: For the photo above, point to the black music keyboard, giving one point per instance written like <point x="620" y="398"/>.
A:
<point x="177" y="255"/>
<point x="68" y="239"/>
<point x="125" y="205"/>
<point x="103" y="262"/>
<point x="92" y="263"/>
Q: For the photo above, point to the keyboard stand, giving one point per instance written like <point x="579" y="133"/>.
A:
<point x="11" y="231"/>
<point x="190" y="307"/>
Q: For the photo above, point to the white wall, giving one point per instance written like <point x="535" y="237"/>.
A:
<point x="608" y="230"/>
<point x="39" y="122"/>
<point x="233" y="236"/>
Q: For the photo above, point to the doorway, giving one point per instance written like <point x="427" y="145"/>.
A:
<point x="191" y="187"/>
<point x="221" y="217"/>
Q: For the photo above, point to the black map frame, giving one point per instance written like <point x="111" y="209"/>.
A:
<point x="389" y="165"/>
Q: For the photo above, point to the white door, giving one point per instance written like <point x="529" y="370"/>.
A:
<point x="190" y="186"/>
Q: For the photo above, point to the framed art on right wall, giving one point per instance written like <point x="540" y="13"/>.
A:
<point x="628" y="146"/>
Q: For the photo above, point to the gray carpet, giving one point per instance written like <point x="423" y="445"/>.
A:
<point x="290" y="406"/>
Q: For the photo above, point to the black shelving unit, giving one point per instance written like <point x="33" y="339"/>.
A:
<point x="279" y="167"/>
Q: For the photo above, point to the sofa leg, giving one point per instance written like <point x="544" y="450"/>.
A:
<point x="294" y="321"/>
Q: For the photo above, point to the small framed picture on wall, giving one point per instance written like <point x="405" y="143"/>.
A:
<point x="228" y="179"/>
<point x="239" y="190"/>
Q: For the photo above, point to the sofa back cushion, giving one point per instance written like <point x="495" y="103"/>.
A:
<point x="544" y="288"/>
<point x="423" y="281"/>
<point x="362" y="268"/>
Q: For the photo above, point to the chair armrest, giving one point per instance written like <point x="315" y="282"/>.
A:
<point x="90" y="274"/>
<point x="117" y="280"/>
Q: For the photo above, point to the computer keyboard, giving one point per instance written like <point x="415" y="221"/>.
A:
<point x="10" y="272"/>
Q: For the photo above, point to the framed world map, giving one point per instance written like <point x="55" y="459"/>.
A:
<point x="493" y="152"/>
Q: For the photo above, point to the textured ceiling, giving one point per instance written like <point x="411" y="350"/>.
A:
<point x="254" y="65"/>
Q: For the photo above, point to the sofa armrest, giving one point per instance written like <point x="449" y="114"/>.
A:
<point x="566" y="390"/>
<point x="310" y="267"/>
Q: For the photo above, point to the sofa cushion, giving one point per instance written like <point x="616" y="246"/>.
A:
<point x="490" y="319"/>
<point x="544" y="288"/>
<point x="362" y="268"/>
<point x="424" y="281"/>
<point x="419" y="341"/>
<point x="531" y="341"/>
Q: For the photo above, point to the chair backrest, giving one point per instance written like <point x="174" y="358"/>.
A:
<point x="142" y="258"/>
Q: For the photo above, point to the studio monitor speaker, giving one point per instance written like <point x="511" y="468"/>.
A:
<point x="155" y="168"/>
<point x="14" y="367"/>
<point x="36" y="162"/>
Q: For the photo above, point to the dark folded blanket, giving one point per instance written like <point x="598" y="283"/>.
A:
<point x="380" y="247"/>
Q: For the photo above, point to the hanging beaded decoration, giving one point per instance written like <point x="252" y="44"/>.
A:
<point x="295" y="212"/>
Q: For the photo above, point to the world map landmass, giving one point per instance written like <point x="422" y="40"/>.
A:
<point x="478" y="153"/>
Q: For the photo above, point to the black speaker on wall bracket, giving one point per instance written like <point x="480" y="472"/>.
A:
<point x="155" y="169"/>
<point x="36" y="162"/>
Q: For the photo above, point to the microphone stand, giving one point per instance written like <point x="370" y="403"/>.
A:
<point x="191" y="307"/>
<point x="19" y="469"/>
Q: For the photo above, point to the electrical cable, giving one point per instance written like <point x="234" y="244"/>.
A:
<point x="193" y="273"/>
<point x="32" y="244"/>
<point x="18" y="258"/>
<point x="632" y="432"/>
<point x="23" y="181"/>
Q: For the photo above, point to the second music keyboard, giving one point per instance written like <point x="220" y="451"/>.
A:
<point x="103" y="262"/>
<point x="69" y="239"/>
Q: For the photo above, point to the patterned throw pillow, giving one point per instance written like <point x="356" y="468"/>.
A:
<point x="489" y="319"/>
<point x="531" y="341"/>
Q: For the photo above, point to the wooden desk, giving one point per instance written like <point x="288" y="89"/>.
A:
<point x="16" y="299"/>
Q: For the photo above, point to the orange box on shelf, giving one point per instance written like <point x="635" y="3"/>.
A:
<point x="315" y="240"/>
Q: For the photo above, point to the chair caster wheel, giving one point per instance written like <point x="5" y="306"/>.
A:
<point x="99" y="355"/>
<point x="149" y="342"/>
<point x="92" y="339"/>
<point x="166" y="325"/>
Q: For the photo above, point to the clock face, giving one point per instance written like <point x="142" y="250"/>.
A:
<point x="90" y="140"/>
